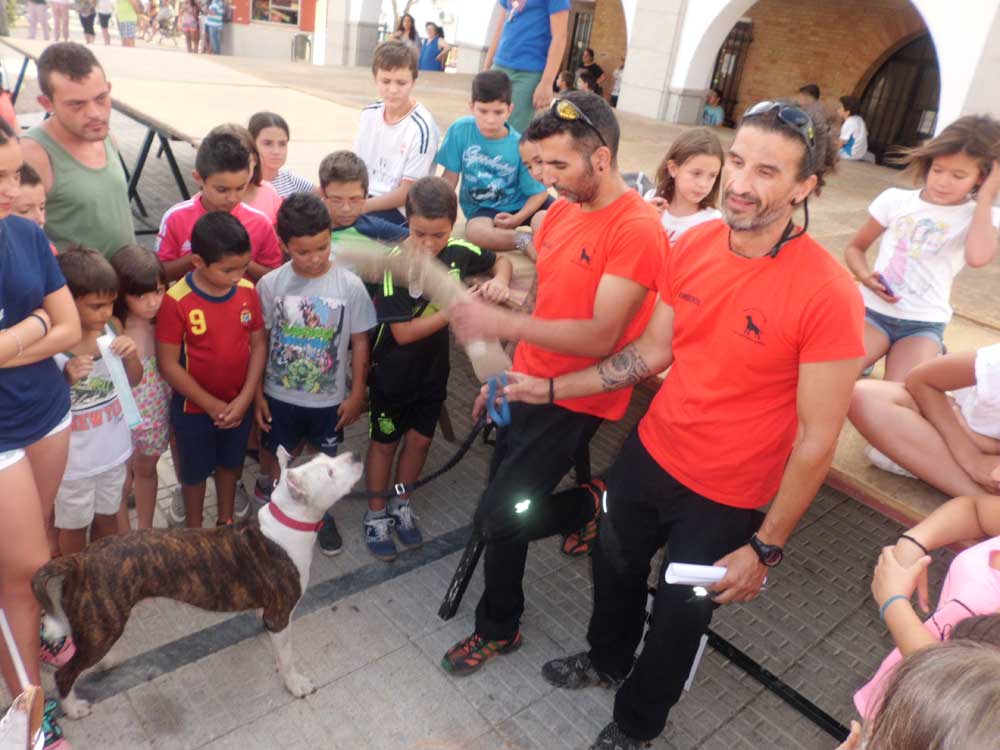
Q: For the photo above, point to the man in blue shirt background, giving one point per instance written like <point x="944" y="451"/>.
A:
<point x="528" y="45"/>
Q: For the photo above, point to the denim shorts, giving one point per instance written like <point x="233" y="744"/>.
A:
<point x="896" y="329"/>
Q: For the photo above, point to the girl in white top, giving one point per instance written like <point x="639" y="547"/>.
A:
<point x="687" y="182"/>
<point x="942" y="425"/>
<point x="928" y="236"/>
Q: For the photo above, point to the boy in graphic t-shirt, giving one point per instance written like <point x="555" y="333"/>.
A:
<point x="211" y="347"/>
<point x="498" y="193"/>
<point x="100" y="442"/>
<point x="397" y="136"/>
<point x="312" y="311"/>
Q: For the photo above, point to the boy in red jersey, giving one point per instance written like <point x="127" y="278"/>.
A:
<point x="222" y="170"/>
<point x="211" y="347"/>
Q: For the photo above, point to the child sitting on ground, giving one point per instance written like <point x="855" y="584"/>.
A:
<point x="30" y="202"/>
<point x="933" y="232"/>
<point x="687" y="182"/>
<point x="410" y="364"/>
<point x="971" y="588"/>
<point x="211" y="348"/>
<point x="222" y="168"/>
<point x="100" y="443"/>
<point x="313" y="311"/>
<point x="498" y="193"/>
<point x="397" y="136"/>
<point x="142" y="284"/>
<point x="942" y="425"/>
<point x="854" y="132"/>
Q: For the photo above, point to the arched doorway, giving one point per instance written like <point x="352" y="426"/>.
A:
<point x="900" y="102"/>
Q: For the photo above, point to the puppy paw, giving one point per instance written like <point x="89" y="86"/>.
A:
<point x="75" y="708"/>
<point x="299" y="685"/>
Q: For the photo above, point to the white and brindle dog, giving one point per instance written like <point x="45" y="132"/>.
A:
<point x="260" y="564"/>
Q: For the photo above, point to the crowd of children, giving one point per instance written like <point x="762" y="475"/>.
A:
<point x="243" y="276"/>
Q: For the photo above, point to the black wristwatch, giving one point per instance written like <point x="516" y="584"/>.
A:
<point x="769" y="554"/>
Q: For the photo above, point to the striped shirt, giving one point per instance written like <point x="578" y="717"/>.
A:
<point x="404" y="150"/>
<point x="287" y="183"/>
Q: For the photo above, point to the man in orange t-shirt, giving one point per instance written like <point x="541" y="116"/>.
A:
<point x="764" y="332"/>
<point x="600" y="250"/>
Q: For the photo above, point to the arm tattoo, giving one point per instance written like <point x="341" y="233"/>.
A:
<point x="622" y="369"/>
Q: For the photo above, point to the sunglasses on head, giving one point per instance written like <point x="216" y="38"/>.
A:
<point x="795" y="118"/>
<point x="565" y="110"/>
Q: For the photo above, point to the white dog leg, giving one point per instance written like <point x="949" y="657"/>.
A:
<point x="74" y="706"/>
<point x="298" y="684"/>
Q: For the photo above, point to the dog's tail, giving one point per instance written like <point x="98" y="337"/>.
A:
<point x="47" y="585"/>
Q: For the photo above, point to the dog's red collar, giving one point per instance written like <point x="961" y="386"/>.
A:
<point x="291" y="523"/>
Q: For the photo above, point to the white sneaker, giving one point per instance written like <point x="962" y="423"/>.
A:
<point x="881" y="461"/>
<point x="241" y="504"/>
<point x="176" y="514"/>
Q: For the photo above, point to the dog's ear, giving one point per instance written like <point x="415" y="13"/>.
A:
<point x="283" y="458"/>
<point x="293" y="482"/>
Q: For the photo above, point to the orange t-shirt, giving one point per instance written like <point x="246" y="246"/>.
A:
<point x="724" y="421"/>
<point x="575" y="249"/>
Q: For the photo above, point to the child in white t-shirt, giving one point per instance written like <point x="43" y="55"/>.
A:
<point x="101" y="442"/>
<point x="928" y="236"/>
<point x="687" y="182"/>
<point x="942" y="425"/>
<point x="397" y="136"/>
<point x="854" y="132"/>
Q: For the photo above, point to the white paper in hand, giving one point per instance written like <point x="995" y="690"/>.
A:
<point x="685" y="574"/>
<point x="133" y="417"/>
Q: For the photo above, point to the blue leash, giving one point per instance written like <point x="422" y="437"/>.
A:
<point x="499" y="415"/>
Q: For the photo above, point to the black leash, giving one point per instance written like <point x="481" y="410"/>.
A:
<point x="400" y="489"/>
<point x="782" y="689"/>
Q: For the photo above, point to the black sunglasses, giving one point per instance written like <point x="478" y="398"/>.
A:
<point x="564" y="109"/>
<point x="793" y="117"/>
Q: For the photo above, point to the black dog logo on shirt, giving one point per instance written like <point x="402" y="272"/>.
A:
<point x="751" y="328"/>
<point x="583" y="256"/>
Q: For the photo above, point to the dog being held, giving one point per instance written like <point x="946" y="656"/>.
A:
<point x="261" y="564"/>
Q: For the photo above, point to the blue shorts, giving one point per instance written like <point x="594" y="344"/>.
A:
<point x="201" y="446"/>
<point x="291" y="424"/>
<point x="896" y="329"/>
<point x="491" y="213"/>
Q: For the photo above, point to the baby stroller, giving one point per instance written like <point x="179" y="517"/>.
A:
<point x="166" y="26"/>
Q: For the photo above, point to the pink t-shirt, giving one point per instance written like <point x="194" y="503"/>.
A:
<point x="174" y="239"/>
<point x="267" y="201"/>
<point x="972" y="587"/>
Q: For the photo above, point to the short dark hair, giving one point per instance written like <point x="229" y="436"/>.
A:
<point x="249" y="143"/>
<point x="301" y="215"/>
<point x="261" y="120"/>
<point x="590" y="51"/>
<point x="432" y="198"/>
<point x="492" y="86"/>
<point x="393" y="55"/>
<point x="811" y="89"/>
<point x="139" y="272"/>
<point x="851" y="104"/>
<point x="29" y="177"/>
<point x="218" y="234"/>
<point x="824" y="156"/>
<point x="87" y="272"/>
<point x="221" y="152"/>
<point x="72" y="59"/>
<point x="343" y="166"/>
<point x="600" y="113"/>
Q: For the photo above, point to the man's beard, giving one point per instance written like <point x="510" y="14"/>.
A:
<point x="587" y="188"/>
<point x="759" y="220"/>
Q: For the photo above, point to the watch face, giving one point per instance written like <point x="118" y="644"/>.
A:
<point x="772" y="555"/>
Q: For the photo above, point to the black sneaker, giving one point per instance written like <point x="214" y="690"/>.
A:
<point x="612" y="737"/>
<point x="330" y="543"/>
<point x="576" y="672"/>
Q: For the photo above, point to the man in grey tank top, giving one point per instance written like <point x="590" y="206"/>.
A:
<point x="72" y="151"/>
